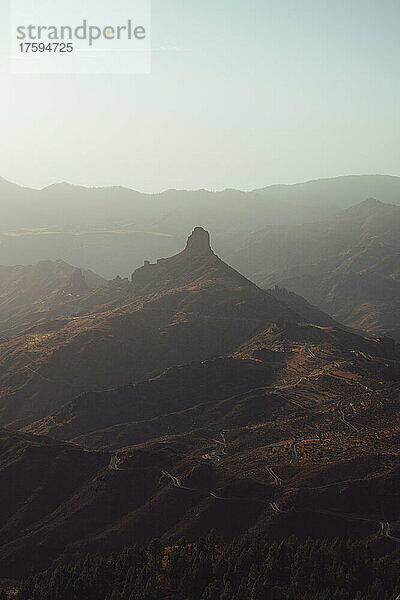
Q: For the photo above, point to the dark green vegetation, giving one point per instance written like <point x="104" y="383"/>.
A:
<point x="246" y="569"/>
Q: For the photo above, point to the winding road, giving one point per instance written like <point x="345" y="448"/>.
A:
<point x="276" y="508"/>
<point x="214" y="455"/>
<point x="274" y="476"/>
<point x="176" y="481"/>
<point x="351" y="382"/>
<point x="385" y="531"/>
<point x="343" y="417"/>
<point x="293" y="450"/>
<point x="214" y="495"/>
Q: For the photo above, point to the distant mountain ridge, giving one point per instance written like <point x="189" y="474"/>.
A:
<point x="111" y="230"/>
<point x="348" y="265"/>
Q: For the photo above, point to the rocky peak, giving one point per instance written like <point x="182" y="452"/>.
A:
<point x="193" y="262"/>
<point x="199" y="241"/>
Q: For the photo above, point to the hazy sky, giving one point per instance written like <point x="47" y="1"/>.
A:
<point x="243" y="93"/>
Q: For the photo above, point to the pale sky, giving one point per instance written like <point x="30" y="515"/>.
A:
<point x="243" y="94"/>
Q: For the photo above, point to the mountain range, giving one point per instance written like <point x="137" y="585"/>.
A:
<point x="327" y="240"/>
<point x="112" y="230"/>
<point x="187" y="399"/>
<point x="192" y="306"/>
<point x="348" y="265"/>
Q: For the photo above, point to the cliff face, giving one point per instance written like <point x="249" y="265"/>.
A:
<point x="77" y="282"/>
<point x="35" y="294"/>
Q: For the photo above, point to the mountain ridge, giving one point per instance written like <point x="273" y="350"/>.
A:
<point x="199" y="309"/>
<point x="78" y="224"/>
<point x="314" y="181"/>
<point x="189" y="399"/>
<point x="347" y="265"/>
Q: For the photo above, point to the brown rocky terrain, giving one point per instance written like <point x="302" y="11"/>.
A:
<point x="192" y="306"/>
<point x="297" y="432"/>
<point x="239" y="414"/>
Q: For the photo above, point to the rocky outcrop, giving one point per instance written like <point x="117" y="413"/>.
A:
<point x="197" y="253"/>
<point x="199" y="242"/>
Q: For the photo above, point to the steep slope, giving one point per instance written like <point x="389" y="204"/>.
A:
<point x="189" y="307"/>
<point x="195" y="266"/>
<point x="349" y="265"/>
<point x="308" y="312"/>
<point x="225" y="408"/>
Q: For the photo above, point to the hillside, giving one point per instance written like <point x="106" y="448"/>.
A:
<point x="294" y="434"/>
<point x="30" y="295"/>
<point x="186" y="400"/>
<point x="347" y="265"/>
<point x="283" y="572"/>
<point x="192" y="306"/>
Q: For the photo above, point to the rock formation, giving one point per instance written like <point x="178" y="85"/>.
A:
<point x="199" y="242"/>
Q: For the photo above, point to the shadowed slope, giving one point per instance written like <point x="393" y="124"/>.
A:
<point x="189" y="307"/>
